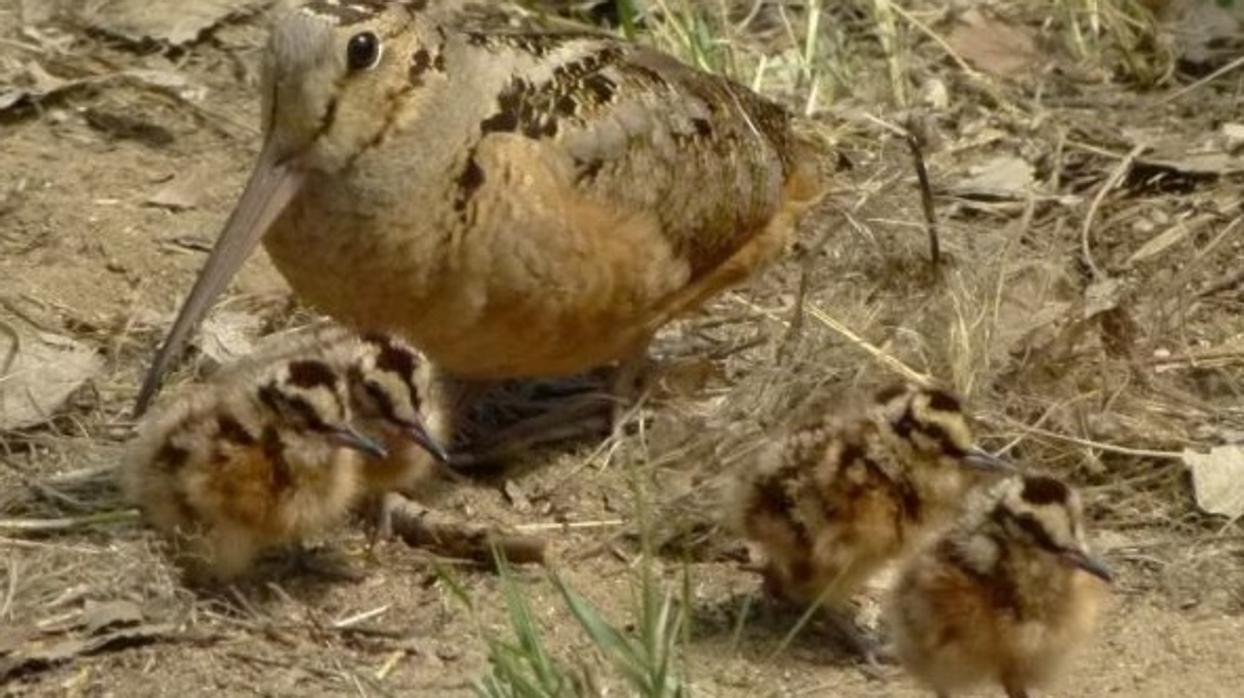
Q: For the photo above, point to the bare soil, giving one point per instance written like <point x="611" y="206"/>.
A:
<point x="1116" y="387"/>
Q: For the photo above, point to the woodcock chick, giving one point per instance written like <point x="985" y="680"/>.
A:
<point x="513" y="204"/>
<point x="242" y="466"/>
<point x="387" y="387"/>
<point x="1006" y="595"/>
<point x="388" y="383"/>
<point x="833" y="502"/>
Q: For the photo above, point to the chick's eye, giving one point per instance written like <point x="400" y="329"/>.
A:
<point x="363" y="51"/>
<point x="374" y="392"/>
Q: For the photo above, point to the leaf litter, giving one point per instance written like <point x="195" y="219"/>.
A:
<point x="39" y="370"/>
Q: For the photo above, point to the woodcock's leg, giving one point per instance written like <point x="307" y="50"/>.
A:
<point x="629" y="381"/>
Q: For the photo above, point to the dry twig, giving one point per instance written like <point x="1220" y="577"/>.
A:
<point x="422" y="527"/>
<point x="917" y="138"/>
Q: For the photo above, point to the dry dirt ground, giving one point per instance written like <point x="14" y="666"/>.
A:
<point x="1101" y="367"/>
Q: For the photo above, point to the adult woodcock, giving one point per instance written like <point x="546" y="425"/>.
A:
<point x="512" y="203"/>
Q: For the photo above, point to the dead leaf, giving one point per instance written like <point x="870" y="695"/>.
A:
<point x="1036" y="297"/>
<point x="34" y="84"/>
<point x="169" y="80"/>
<point x="1101" y="295"/>
<point x="689" y="377"/>
<point x="175" y="22"/>
<point x="48" y="653"/>
<point x="38" y="372"/>
<point x="993" y="46"/>
<point x="31" y="84"/>
<point x="1218" y="479"/>
<point x="124" y="126"/>
<point x="1003" y="177"/>
<point x="181" y="194"/>
<point x="110" y="615"/>
<point x="228" y="336"/>
<point x="1168" y="238"/>
<point x="1232" y="136"/>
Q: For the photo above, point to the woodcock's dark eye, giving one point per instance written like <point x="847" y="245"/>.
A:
<point x="363" y="51"/>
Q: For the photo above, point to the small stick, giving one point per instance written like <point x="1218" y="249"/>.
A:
<point x="1180" y="93"/>
<point x="1086" y="229"/>
<point x="360" y="617"/>
<point x="917" y="137"/>
<point x="421" y="527"/>
<point x="68" y="524"/>
<point x="14" y="351"/>
<point x="568" y="526"/>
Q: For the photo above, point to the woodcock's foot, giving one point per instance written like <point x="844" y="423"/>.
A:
<point x="325" y="563"/>
<point x="577" y="418"/>
<point x="628" y="388"/>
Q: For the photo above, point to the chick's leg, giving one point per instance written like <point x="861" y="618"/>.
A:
<point x="377" y="523"/>
<point x="858" y="642"/>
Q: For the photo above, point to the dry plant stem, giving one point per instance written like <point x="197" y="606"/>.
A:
<point x="1225" y="284"/>
<point x="916" y="139"/>
<point x="1181" y="279"/>
<point x="16" y="349"/>
<point x="887" y="360"/>
<point x="568" y="526"/>
<point x="873" y="350"/>
<point x="794" y="327"/>
<point x="421" y="527"/>
<point x="1111" y="182"/>
<point x="1099" y="445"/>
<point x="68" y="524"/>
<point x="1181" y="93"/>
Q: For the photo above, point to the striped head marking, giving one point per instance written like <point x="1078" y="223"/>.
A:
<point x="932" y="420"/>
<point x="1044" y="513"/>
<point x="383" y="380"/>
<point x="308" y="397"/>
<point x="384" y="388"/>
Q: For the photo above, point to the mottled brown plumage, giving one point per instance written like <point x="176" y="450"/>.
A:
<point x="1005" y="596"/>
<point x="512" y="203"/>
<point x="236" y="467"/>
<point x="833" y="501"/>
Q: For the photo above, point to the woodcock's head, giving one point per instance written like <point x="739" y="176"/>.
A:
<point x="308" y="402"/>
<point x="1039" y="513"/>
<point x="334" y="75"/>
<point x="384" y="389"/>
<point x="934" y="424"/>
